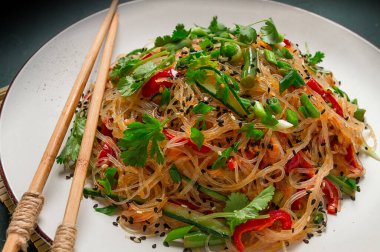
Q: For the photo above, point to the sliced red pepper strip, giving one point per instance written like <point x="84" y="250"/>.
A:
<point x="332" y="194"/>
<point x="106" y="131"/>
<point x="287" y="43"/>
<point x="260" y="224"/>
<point x="204" y="149"/>
<point x="158" y="80"/>
<point x="231" y="164"/>
<point x="351" y="158"/>
<point x="298" y="161"/>
<point x="326" y="95"/>
<point x="146" y="56"/>
<point x="106" y="150"/>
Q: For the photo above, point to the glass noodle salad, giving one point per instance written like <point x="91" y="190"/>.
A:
<point x="228" y="137"/>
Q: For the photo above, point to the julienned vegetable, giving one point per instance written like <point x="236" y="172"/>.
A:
<point x="223" y="132"/>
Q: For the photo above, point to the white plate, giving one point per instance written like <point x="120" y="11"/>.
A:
<point x="36" y="98"/>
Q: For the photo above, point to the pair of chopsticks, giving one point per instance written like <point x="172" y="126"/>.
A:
<point x="24" y="218"/>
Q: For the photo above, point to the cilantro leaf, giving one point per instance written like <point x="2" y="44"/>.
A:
<point x="202" y="60"/>
<point x="316" y="58"/>
<point x="197" y="137"/>
<point x="206" y="44"/>
<point x="179" y="33"/>
<point x="223" y="157"/>
<point x="216" y="27"/>
<point x="238" y="209"/>
<point x="202" y="108"/>
<point x="122" y="68"/>
<point x="108" y="210"/>
<point x="70" y="152"/>
<point x="161" y="41"/>
<point x="136" y="139"/>
<point x="269" y="33"/>
<point x="166" y="95"/>
<point x="130" y="84"/>
<point x="292" y="78"/>
<point x="236" y="201"/>
<point x="195" y="75"/>
<point x="246" y="34"/>
<point x="251" y="132"/>
<point x="109" y="181"/>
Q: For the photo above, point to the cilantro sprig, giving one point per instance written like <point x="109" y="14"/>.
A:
<point x="138" y="137"/>
<point x="223" y="157"/>
<point x="316" y="58"/>
<point x="69" y="153"/>
<point x="269" y="33"/>
<point x="239" y="210"/>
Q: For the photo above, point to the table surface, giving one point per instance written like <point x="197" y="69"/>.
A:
<point x="37" y="22"/>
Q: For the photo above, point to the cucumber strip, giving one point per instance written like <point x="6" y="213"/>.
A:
<point x="209" y="192"/>
<point x="198" y="239"/>
<point x="192" y="217"/>
<point x="179" y="213"/>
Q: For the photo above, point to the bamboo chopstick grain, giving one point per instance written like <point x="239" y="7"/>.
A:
<point x="65" y="235"/>
<point x="24" y="218"/>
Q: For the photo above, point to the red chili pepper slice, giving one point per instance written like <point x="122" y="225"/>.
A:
<point x="326" y="95"/>
<point x="231" y="164"/>
<point x="332" y="194"/>
<point x="351" y="158"/>
<point x="298" y="161"/>
<point x="105" y="131"/>
<point x="146" y="56"/>
<point x="287" y="43"/>
<point x="260" y="224"/>
<point x="158" y="80"/>
<point x="204" y="149"/>
<point x="106" y="150"/>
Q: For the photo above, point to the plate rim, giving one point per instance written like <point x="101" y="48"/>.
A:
<point x="12" y="196"/>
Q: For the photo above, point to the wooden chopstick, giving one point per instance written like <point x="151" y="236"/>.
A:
<point x="15" y="240"/>
<point x="62" y="238"/>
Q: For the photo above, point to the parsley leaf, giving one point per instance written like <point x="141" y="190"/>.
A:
<point x="223" y="157"/>
<point x="292" y="78"/>
<point x="251" y="132"/>
<point x="246" y="34"/>
<point x="236" y="201"/>
<point x="202" y="108"/>
<point x="179" y="33"/>
<point x="269" y="33"/>
<point x="216" y="27"/>
<point x="316" y="58"/>
<point x="137" y="136"/>
<point x="197" y="137"/>
<point x="71" y="150"/>
<point x="108" y="210"/>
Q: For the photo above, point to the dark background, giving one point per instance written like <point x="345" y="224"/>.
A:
<point x="27" y="25"/>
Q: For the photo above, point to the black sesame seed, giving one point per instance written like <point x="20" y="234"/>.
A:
<point x="115" y="223"/>
<point x="159" y="200"/>
<point x="157" y="225"/>
<point x="155" y="210"/>
<point x="143" y="237"/>
<point x="306" y="241"/>
<point x="144" y="228"/>
<point x="308" y="191"/>
<point x="156" y="232"/>
<point x="292" y="230"/>
<point x="95" y="206"/>
<point x="162" y="234"/>
<point x="294" y="153"/>
<point x="323" y="111"/>
<point x="130" y="220"/>
<point x="203" y="171"/>
<point x="309" y="235"/>
<point x="154" y="246"/>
